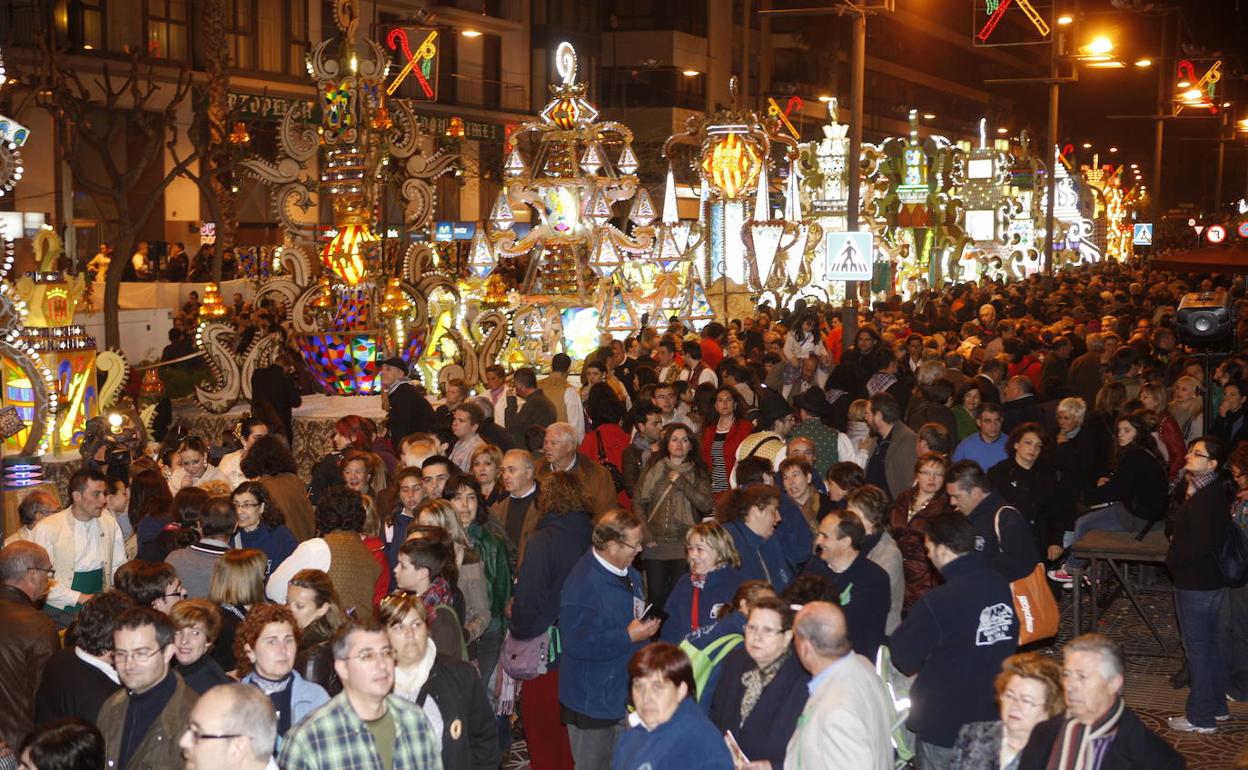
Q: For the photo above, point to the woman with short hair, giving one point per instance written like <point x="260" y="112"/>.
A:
<point x="237" y="585"/>
<point x="486" y="467"/>
<point x="1029" y="691"/>
<point x="261" y="525"/>
<point x="196" y="624"/>
<point x="673" y="734"/>
<point x="750" y="515"/>
<point x="693" y="607"/>
<point x="1026" y="481"/>
<point x="265" y="648"/>
<point x="908" y="519"/>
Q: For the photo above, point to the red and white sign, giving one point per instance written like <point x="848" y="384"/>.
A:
<point x="1216" y="233"/>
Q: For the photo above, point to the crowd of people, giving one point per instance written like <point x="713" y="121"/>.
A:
<point x="773" y="543"/>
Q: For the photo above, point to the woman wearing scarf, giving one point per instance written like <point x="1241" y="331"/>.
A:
<point x="762" y="689"/>
<point x="1196" y="533"/>
<point x="1029" y="691"/>
<point x="703" y="595"/>
<point x="673" y="494"/>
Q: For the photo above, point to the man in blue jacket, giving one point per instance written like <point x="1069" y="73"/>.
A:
<point x="601" y="624"/>
<point x="955" y="638"/>
<point x="1002" y="535"/>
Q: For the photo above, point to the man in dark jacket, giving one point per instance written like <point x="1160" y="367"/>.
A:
<point x="1087" y="372"/>
<point x="409" y="411"/>
<point x="78" y="679"/>
<point x="536" y="412"/>
<point x="602" y="622"/>
<point x="1020" y="404"/>
<point x="29" y="637"/>
<point x="860" y="585"/>
<point x="1001" y="533"/>
<point x="275" y="396"/>
<point x="1092" y="677"/>
<point x="955" y="639"/>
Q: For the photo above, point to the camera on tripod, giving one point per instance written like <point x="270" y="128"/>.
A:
<point x="1204" y="320"/>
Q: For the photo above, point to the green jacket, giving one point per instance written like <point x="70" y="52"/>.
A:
<point x="492" y="545"/>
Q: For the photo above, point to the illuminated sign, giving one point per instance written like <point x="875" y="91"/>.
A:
<point x="996" y="10"/>
<point x="421" y="64"/>
<point x="1143" y="234"/>
<point x="1216" y="233"/>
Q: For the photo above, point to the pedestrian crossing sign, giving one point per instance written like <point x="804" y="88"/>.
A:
<point x="1143" y="235"/>
<point x="848" y="256"/>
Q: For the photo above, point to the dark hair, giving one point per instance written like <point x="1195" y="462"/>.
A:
<point x="1017" y="434"/>
<point x="740" y="500"/>
<point x="753" y="470"/>
<point x="92" y="631"/>
<point x="269" y="456"/>
<point x="525" y="377"/>
<point x="1217" y="448"/>
<point x="936" y="436"/>
<point x="217" y="517"/>
<point x="438" y="460"/>
<point x="846" y="475"/>
<point x="561" y="362"/>
<point x="340" y="509"/>
<point x="1144" y="422"/>
<point x="246" y="426"/>
<point x="662" y="452"/>
<point x="562" y="493"/>
<point x="667" y="660"/>
<point x="849" y="525"/>
<point x="138" y="617"/>
<point x="324" y="592"/>
<point x="952" y="530"/>
<point x="603" y="406"/>
<point x="886" y="406"/>
<point x="641" y="411"/>
<point x="988" y="406"/>
<point x="872" y="503"/>
<point x="462" y="481"/>
<point x="692" y="349"/>
<point x="193" y="444"/>
<point x="144" y="581"/>
<point x="66" y="744"/>
<point x="273" y="517"/>
<point x="253" y="625"/>
<point x="967" y="474"/>
<point x="805" y="588"/>
<point x="476" y="415"/>
<point x="78" y="481"/>
<point x="431" y="553"/>
<point x="738" y="404"/>
<point x="342" y="636"/>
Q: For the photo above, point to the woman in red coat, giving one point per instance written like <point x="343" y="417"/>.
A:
<point x="605" y="441"/>
<point x="911" y="511"/>
<point x="722" y="436"/>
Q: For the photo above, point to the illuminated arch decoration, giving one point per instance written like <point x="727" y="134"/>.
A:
<point x="12" y="136"/>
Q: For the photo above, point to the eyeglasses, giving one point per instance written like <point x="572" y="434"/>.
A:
<point x="197" y="736"/>
<point x="631" y="546"/>
<point x="180" y="593"/>
<point x="246" y="506"/>
<point x="368" y="656"/>
<point x="750" y="628"/>
<point x="47" y="570"/>
<point x="1010" y="697"/>
<point x="138" y="656"/>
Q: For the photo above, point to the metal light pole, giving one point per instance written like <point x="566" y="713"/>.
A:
<point x="1050" y="180"/>
<point x="1159" y="126"/>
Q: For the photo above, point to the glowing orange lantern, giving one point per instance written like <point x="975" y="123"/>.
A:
<point x="731" y="162"/>
<point x="345" y="253"/>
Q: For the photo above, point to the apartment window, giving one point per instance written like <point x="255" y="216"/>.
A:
<point x="240" y="33"/>
<point x="678" y="15"/>
<point x="86" y="23"/>
<point x="664" y="87"/>
<point x="167" y="29"/>
<point x="298" y="37"/>
<point x="491" y="71"/>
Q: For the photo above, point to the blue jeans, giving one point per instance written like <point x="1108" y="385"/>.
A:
<point x="1198" y="612"/>
<point x="1107" y="519"/>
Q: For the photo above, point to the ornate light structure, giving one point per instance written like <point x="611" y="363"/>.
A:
<point x="561" y="166"/>
<point x="12" y="137"/>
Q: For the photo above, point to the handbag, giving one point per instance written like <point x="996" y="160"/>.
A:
<point x="526" y="659"/>
<point x="1231" y="556"/>
<point x="617" y="478"/>
<point x="1034" y="605"/>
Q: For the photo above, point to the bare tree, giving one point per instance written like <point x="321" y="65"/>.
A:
<point x="134" y="109"/>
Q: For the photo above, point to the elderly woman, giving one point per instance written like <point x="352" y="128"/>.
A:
<point x="266" y="648"/>
<point x="449" y="692"/>
<point x="908" y="519"/>
<point x="870" y="504"/>
<point x="750" y="515"/>
<point x="1026" y="481"/>
<point x="1073" y="455"/>
<point x="694" y="605"/>
<point x="1029" y="691"/>
<point x="673" y="733"/>
<point x="313" y="601"/>
<point x="196" y="623"/>
<point x="762" y="689"/>
<point x="1199" y="589"/>
<point x="261" y="524"/>
<point x="673" y="494"/>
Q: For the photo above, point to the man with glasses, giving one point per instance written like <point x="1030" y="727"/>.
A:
<point x="142" y="723"/>
<point x="85" y="544"/>
<point x="232" y="727"/>
<point x="29" y="636"/>
<point x="602" y="622"/>
<point x="364" y="725"/>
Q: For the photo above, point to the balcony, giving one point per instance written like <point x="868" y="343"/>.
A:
<point x="498" y="9"/>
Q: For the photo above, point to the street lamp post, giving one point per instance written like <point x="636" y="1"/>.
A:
<point x="1050" y="180"/>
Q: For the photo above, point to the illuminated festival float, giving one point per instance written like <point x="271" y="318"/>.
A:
<point x="740" y="246"/>
<point x="989" y="203"/>
<point x="12" y="137"/>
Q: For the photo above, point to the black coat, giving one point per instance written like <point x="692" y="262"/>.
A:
<point x="767" y="730"/>
<point x="551" y="551"/>
<point x="1197" y="528"/>
<point x="469" y="730"/>
<point x="1014" y="553"/>
<point x="1139" y="482"/>
<point x="955" y="638"/>
<point x="410" y="413"/>
<point x="1135" y="747"/>
<point x="71" y="687"/>
<point x="202" y="675"/>
<point x="537" y="412"/>
<point x="1078" y="467"/>
<point x="1020" y="410"/>
<point x="274" y="395"/>
<point x="1031" y="491"/>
